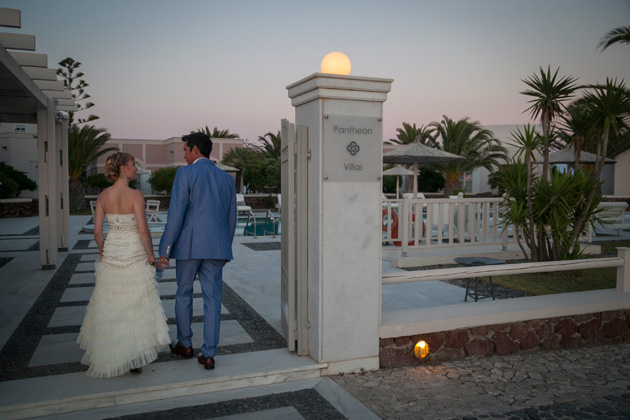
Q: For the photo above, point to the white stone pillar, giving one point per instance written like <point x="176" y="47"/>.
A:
<point x="623" y="272"/>
<point x="47" y="180"/>
<point x="63" y="188"/>
<point x="344" y="119"/>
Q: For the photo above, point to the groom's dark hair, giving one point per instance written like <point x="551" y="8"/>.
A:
<point x="201" y="140"/>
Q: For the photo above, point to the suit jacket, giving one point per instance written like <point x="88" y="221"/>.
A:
<point x="201" y="214"/>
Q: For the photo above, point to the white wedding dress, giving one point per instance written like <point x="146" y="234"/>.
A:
<point x="125" y="325"/>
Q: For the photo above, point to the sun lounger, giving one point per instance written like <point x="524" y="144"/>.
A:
<point x="611" y="216"/>
<point x="241" y="207"/>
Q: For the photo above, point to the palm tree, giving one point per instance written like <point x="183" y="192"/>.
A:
<point x="577" y="130"/>
<point x="620" y="34"/>
<point x="271" y="147"/>
<point x="409" y="133"/>
<point x="85" y="145"/>
<point x="548" y="93"/>
<point x="242" y="158"/>
<point x="528" y="143"/>
<point x="216" y="133"/>
<point x="609" y="106"/>
<point x="468" y="139"/>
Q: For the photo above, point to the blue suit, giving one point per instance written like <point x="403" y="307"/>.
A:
<point x="199" y="232"/>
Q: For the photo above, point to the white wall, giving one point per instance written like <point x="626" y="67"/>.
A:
<point x="622" y="174"/>
<point x="19" y="150"/>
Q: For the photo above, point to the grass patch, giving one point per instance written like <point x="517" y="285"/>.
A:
<point x="567" y="281"/>
<point x="87" y="212"/>
<point x="560" y="282"/>
<point x="611" y="247"/>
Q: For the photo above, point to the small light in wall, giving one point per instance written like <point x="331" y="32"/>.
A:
<point x="336" y="63"/>
<point x="421" y="350"/>
<point x="4" y="147"/>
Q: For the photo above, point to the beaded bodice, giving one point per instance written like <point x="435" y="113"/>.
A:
<point x="122" y="222"/>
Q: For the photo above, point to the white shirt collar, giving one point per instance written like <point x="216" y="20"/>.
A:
<point x="198" y="159"/>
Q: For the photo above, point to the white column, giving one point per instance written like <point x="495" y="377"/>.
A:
<point x="344" y="119"/>
<point x="63" y="204"/>
<point x="46" y="158"/>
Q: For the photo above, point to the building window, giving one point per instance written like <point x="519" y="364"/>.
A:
<point x="20" y="128"/>
<point x="466" y="182"/>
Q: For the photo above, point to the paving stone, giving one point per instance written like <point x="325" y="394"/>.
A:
<point x="77" y="294"/>
<point x="83" y="278"/>
<point x="85" y="266"/>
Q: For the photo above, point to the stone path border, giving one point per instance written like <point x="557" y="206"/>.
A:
<point x="19" y="349"/>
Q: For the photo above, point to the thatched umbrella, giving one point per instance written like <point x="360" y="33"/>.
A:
<point x="567" y="155"/>
<point x="397" y="171"/>
<point x="226" y="168"/>
<point x="415" y="153"/>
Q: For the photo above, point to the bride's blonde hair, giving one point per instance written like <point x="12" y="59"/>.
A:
<point x="113" y="164"/>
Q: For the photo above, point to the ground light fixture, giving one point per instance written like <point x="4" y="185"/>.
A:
<point x="421" y="350"/>
<point x="336" y="63"/>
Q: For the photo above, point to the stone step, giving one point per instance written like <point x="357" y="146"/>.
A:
<point x="67" y="393"/>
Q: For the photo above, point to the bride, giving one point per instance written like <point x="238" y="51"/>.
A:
<point x="124" y="325"/>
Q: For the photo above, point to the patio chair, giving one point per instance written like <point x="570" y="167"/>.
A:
<point x="151" y="209"/>
<point x="411" y="195"/>
<point x="241" y="207"/>
<point x="611" y="215"/>
<point x="384" y="199"/>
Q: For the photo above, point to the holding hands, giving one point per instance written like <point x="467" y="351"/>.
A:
<point x="163" y="262"/>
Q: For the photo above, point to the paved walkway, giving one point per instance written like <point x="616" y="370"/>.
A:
<point x="256" y="377"/>
<point x="586" y="383"/>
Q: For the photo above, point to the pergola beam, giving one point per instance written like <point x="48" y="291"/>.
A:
<point x="10" y="18"/>
<point x="14" y="72"/>
<point x="56" y="85"/>
<point x="40" y="73"/>
<point x="66" y="94"/>
<point x="30" y="59"/>
<point x="17" y="41"/>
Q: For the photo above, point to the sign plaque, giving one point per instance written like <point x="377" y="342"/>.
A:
<point x="352" y="149"/>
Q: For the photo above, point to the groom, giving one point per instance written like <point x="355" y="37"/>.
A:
<point x="198" y="234"/>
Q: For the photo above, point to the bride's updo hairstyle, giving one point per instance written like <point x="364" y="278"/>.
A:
<point x="113" y="164"/>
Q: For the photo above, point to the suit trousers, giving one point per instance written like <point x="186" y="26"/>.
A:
<point x="211" y="278"/>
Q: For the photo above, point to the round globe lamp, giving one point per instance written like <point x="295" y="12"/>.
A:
<point x="336" y="63"/>
<point x="421" y="350"/>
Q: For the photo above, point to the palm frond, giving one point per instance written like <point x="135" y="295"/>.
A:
<point x="617" y="35"/>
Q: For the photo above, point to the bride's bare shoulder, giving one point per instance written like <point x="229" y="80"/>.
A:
<point x="105" y="193"/>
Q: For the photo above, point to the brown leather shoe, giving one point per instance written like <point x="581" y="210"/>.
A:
<point x="187" y="352"/>
<point x="207" y="362"/>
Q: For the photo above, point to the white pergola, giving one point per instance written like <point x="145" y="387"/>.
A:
<point x="30" y="93"/>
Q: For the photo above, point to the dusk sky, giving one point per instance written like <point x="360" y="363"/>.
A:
<point x="159" y="69"/>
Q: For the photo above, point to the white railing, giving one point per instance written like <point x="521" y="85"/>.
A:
<point x="623" y="278"/>
<point x="446" y="222"/>
<point x="423" y="320"/>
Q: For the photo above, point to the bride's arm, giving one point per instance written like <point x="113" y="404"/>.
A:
<point x="99" y="220"/>
<point x="143" y="226"/>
